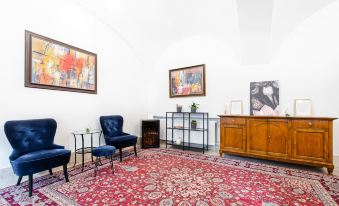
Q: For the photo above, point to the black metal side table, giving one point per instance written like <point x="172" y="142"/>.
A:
<point x="82" y="150"/>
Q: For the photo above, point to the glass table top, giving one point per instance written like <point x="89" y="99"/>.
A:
<point x="83" y="132"/>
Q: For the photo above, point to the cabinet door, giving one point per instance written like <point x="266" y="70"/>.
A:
<point x="279" y="138"/>
<point x="233" y="138"/>
<point x="257" y="136"/>
<point x="310" y="144"/>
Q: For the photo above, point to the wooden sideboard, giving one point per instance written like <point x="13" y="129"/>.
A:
<point x="300" y="140"/>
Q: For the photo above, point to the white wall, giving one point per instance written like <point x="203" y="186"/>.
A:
<point x="307" y="66"/>
<point x="166" y="35"/>
<point x="121" y="87"/>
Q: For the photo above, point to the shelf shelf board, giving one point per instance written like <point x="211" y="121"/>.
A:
<point x="192" y="145"/>
<point x="186" y="128"/>
<point x="187" y="112"/>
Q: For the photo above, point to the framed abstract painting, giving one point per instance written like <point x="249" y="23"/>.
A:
<point x="187" y="81"/>
<point x="50" y="64"/>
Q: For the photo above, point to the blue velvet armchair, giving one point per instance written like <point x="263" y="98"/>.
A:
<point x="33" y="148"/>
<point x="112" y="130"/>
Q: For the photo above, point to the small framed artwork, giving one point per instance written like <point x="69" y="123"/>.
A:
<point x="303" y="107"/>
<point x="50" y="64"/>
<point x="187" y="81"/>
<point x="236" y="107"/>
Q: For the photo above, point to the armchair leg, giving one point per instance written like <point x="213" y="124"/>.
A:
<point x="50" y="171"/>
<point x="19" y="181"/>
<point x="112" y="164"/>
<point x="97" y="163"/>
<point x="65" y="173"/>
<point x="135" y="150"/>
<point x="30" y="187"/>
<point x="120" y="152"/>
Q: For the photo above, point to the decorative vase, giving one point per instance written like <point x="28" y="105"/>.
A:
<point x="193" y="109"/>
<point x="193" y="125"/>
<point x="179" y="108"/>
<point x="178" y="141"/>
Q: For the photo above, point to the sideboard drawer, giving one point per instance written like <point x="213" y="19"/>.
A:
<point x="233" y="121"/>
<point x="312" y="124"/>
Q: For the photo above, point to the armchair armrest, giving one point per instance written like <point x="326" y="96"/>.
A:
<point x="55" y="146"/>
<point x="15" y="155"/>
<point x="122" y="133"/>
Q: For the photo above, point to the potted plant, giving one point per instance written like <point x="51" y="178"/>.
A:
<point x="88" y="130"/>
<point x="179" y="108"/>
<point x="194" y="124"/>
<point x="194" y="106"/>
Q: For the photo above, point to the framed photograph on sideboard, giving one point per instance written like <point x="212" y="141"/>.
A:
<point x="303" y="107"/>
<point x="236" y="107"/>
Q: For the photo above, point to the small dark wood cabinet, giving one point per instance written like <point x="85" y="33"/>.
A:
<point x="150" y="134"/>
<point x="300" y="140"/>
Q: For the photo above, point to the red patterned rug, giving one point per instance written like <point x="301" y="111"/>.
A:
<point x="174" y="177"/>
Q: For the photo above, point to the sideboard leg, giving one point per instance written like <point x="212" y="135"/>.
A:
<point x="220" y="152"/>
<point x="330" y="170"/>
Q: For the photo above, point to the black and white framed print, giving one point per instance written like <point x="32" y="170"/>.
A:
<point x="264" y="98"/>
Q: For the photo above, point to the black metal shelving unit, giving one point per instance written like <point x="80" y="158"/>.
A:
<point x="186" y="117"/>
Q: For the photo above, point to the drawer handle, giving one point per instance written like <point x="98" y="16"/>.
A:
<point x="310" y="124"/>
<point x="232" y="120"/>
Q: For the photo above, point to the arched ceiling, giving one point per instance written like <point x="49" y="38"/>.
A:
<point x="255" y="30"/>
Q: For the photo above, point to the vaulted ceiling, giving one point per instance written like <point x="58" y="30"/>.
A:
<point x="151" y="26"/>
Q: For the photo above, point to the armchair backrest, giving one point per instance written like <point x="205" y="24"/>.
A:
<point x="111" y="125"/>
<point x="27" y="136"/>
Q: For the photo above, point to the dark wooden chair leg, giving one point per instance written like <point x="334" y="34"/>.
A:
<point x="19" y="181"/>
<point x="135" y="150"/>
<point x="97" y="162"/>
<point x="100" y="163"/>
<point x="65" y="173"/>
<point x="112" y="164"/>
<point x="50" y="171"/>
<point x="30" y="187"/>
<point x="120" y="151"/>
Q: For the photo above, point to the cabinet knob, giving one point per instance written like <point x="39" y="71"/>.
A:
<point x="310" y="124"/>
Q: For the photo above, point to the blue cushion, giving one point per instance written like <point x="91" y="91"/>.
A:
<point x="122" y="141"/>
<point x="41" y="160"/>
<point x="103" y="151"/>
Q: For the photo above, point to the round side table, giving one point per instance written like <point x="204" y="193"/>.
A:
<point x="83" y="150"/>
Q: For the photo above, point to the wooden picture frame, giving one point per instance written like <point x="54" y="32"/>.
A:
<point x="187" y="81"/>
<point x="236" y="107"/>
<point x="50" y="64"/>
<point x="303" y="107"/>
